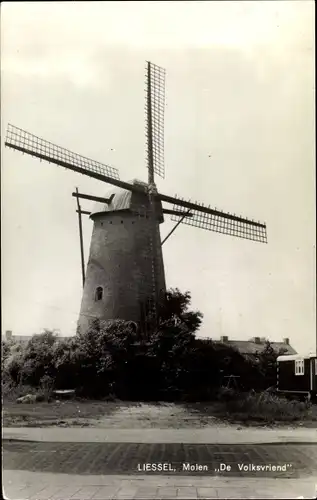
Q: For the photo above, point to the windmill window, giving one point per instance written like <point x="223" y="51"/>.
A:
<point x="299" y="367"/>
<point x="98" y="293"/>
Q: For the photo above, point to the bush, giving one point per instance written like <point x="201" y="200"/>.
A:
<point x="37" y="359"/>
<point x="47" y="384"/>
<point x="266" y="407"/>
<point x="26" y="364"/>
<point x="112" y="360"/>
<point x="12" y="391"/>
<point x="12" y="364"/>
<point x="227" y="394"/>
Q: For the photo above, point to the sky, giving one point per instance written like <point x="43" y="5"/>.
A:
<point x="239" y="135"/>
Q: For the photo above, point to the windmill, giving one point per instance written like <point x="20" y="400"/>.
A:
<point x="125" y="276"/>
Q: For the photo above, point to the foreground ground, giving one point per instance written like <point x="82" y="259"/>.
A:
<point x="45" y="486"/>
<point x="50" y="467"/>
<point x="123" y="415"/>
<point x="80" y="450"/>
<point x="94" y="458"/>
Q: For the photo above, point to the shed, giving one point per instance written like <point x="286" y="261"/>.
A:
<point x="297" y="374"/>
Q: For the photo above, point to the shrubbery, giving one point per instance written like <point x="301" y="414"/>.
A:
<point x="266" y="407"/>
<point x="112" y="359"/>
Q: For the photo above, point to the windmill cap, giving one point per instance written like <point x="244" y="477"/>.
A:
<point x="122" y="199"/>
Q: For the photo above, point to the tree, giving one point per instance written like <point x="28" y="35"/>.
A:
<point x="175" y="309"/>
<point x="29" y="362"/>
<point x="170" y="344"/>
<point x="102" y="356"/>
<point x="38" y="358"/>
<point x="267" y="364"/>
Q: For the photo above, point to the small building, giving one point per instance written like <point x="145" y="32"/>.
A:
<point x="297" y="374"/>
<point x="17" y="339"/>
<point x="251" y="348"/>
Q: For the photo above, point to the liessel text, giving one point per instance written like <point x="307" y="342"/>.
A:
<point x="155" y="467"/>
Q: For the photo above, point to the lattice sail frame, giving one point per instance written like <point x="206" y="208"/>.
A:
<point x="23" y="141"/>
<point x="155" y="85"/>
<point x="222" y="222"/>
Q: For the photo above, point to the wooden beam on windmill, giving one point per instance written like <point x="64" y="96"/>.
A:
<point x="94" y="198"/>
<point x="186" y="214"/>
<point x="83" y="212"/>
<point x="81" y="242"/>
<point x="176" y="212"/>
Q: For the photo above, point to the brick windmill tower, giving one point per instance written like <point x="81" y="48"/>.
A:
<point x="125" y="277"/>
<point x="121" y="281"/>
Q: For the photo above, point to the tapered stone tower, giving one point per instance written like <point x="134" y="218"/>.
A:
<point x="119" y="283"/>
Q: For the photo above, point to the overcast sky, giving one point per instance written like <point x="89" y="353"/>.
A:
<point x="239" y="136"/>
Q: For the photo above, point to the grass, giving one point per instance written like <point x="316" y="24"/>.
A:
<point x="42" y="414"/>
<point x="268" y="408"/>
<point x="12" y="392"/>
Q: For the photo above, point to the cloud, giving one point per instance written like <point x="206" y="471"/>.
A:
<point x="77" y="70"/>
<point x="72" y="29"/>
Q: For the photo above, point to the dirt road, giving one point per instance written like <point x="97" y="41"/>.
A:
<point x="122" y="415"/>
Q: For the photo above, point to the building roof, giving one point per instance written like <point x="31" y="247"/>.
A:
<point x="252" y="347"/>
<point x="123" y="199"/>
<point x="21" y="338"/>
<point x="120" y="201"/>
<point x="295" y="356"/>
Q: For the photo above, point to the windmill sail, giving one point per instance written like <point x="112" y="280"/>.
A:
<point x="154" y="116"/>
<point x="25" y="142"/>
<point x="215" y="220"/>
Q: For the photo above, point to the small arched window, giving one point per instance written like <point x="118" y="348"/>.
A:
<point x="98" y="293"/>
